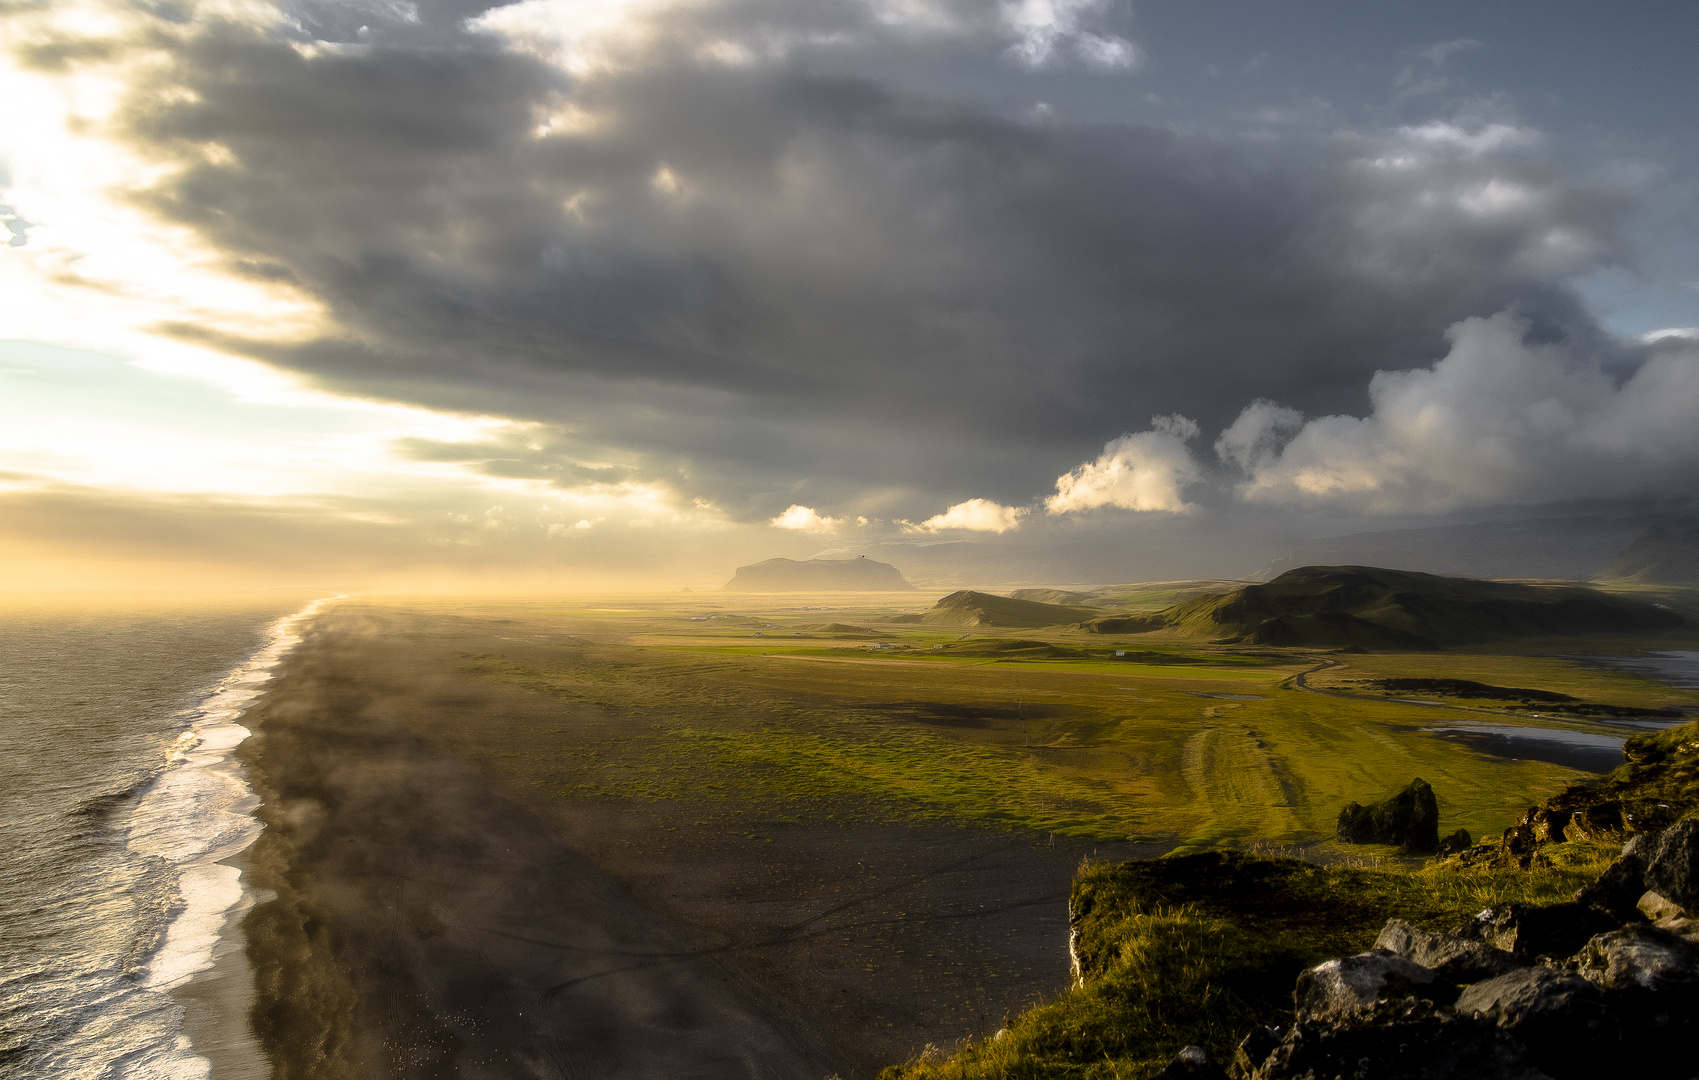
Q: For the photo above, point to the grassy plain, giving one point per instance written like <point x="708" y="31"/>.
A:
<point x="799" y="700"/>
<point x="855" y="803"/>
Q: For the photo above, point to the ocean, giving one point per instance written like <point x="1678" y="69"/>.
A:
<point x="119" y="797"/>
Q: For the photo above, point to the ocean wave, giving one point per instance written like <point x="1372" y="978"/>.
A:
<point x="195" y="814"/>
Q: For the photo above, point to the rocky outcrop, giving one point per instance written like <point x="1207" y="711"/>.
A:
<point x="1409" y="819"/>
<point x="1558" y="991"/>
<point x="1562" y="1018"/>
<point x="1457" y="959"/>
<point x="1338" y="988"/>
<point x="1409" y="1039"/>
<point x="1532" y="931"/>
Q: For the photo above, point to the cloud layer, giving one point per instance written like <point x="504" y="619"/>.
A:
<point x="721" y="258"/>
<point x="692" y="235"/>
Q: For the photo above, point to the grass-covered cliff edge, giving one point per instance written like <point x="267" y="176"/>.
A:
<point x="1200" y="949"/>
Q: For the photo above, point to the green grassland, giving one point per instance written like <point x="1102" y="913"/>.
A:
<point x="1194" y="745"/>
<point x="825" y="707"/>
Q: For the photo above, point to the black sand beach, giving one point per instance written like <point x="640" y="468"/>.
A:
<point x="431" y="907"/>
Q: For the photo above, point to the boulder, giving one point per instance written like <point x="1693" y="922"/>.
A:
<point x="1656" y="906"/>
<point x="1455" y="844"/>
<point x="1685" y="928"/>
<point x="1409" y="819"/>
<point x="1341" y="987"/>
<point x="1560" y="1017"/>
<point x="1192" y="1063"/>
<point x="1651" y="982"/>
<point x="1534" y="930"/>
<point x="1642" y="960"/>
<point x="1398" y="1040"/>
<point x="1452" y="958"/>
<point x="1672" y="864"/>
<point x="1620" y="887"/>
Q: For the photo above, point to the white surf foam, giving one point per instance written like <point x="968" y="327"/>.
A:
<point x="198" y="812"/>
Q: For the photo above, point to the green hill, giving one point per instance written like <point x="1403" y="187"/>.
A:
<point x="1657" y="557"/>
<point x="969" y="608"/>
<point x="1398" y="609"/>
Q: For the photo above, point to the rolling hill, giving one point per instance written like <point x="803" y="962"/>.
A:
<point x="969" y="608"/>
<point x="1398" y="609"/>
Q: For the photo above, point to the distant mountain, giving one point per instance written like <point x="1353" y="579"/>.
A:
<point x="1572" y="548"/>
<point x="818" y="575"/>
<point x="1397" y="609"/>
<point x="969" y="608"/>
<point x="1657" y="557"/>
<point x="1059" y="596"/>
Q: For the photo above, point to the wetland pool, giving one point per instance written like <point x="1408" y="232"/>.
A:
<point x="1572" y="749"/>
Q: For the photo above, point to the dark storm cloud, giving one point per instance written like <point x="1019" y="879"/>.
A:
<point x="781" y="285"/>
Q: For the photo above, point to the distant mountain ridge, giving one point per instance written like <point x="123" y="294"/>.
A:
<point x="1400" y="609"/>
<point x="818" y="575"/>
<point x="1658" y="556"/>
<point x="1334" y="607"/>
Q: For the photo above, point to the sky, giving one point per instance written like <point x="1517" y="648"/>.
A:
<point x="380" y="294"/>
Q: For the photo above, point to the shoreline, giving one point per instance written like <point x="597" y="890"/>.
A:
<point x="425" y="914"/>
<point x="201" y="964"/>
<point x="216" y="1000"/>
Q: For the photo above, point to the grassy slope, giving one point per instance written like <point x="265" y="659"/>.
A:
<point x="1198" y="950"/>
<point x="1377" y="608"/>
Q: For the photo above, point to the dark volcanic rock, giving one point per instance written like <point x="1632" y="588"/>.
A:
<point x="1455" y="959"/>
<point x="1350" y="984"/>
<point x="1651" y="982"/>
<point x="1640" y="959"/>
<point x="1532" y="930"/>
<point x="1409" y="819"/>
<point x="1672" y="864"/>
<point x="1561" y="1018"/>
<point x="1192" y="1063"/>
<point x="1619" y="888"/>
<point x="1457" y="842"/>
<point x="1399" y="1040"/>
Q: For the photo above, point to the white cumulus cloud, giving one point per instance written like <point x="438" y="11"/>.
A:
<point x="974" y="515"/>
<point x="1146" y="470"/>
<point x="805" y="519"/>
<point x="1498" y="420"/>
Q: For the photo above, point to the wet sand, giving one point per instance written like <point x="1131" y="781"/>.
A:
<point x="216" y="1003"/>
<point x="428" y="911"/>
